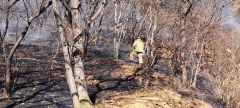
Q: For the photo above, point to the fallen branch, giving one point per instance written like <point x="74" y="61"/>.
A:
<point x="33" y="59"/>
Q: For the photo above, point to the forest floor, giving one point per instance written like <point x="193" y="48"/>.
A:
<point x="39" y="82"/>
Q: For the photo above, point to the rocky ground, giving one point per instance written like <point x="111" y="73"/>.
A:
<point x="40" y="83"/>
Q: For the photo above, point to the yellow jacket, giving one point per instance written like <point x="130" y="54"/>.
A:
<point x="138" y="45"/>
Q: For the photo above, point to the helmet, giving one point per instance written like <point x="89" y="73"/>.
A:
<point x="138" y="37"/>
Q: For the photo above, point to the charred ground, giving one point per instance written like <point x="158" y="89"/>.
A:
<point x="39" y="81"/>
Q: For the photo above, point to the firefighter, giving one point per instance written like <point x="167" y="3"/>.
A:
<point x="137" y="49"/>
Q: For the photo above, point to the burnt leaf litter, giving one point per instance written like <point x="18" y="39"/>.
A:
<point x="39" y="78"/>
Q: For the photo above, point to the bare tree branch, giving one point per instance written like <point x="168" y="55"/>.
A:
<point x="94" y="8"/>
<point x="142" y="21"/>
<point x="7" y="21"/>
<point x="11" y="5"/>
<point x="7" y="89"/>
<point x="64" y="3"/>
<point x="104" y="3"/>
<point x="26" y="10"/>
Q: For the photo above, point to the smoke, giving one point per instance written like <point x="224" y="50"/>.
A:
<point x="230" y="18"/>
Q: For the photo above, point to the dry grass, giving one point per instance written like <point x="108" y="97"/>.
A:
<point x="162" y="98"/>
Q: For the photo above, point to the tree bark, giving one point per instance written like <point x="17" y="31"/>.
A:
<point x="67" y="64"/>
<point x="78" y="66"/>
<point x="72" y="38"/>
<point x="118" y="35"/>
<point x="76" y="25"/>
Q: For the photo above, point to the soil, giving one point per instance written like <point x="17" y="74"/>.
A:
<point x="39" y="81"/>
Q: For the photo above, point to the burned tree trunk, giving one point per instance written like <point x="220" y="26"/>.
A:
<point x="150" y="37"/>
<point x="73" y="48"/>
<point x="66" y="52"/>
<point x="119" y="32"/>
<point x="78" y="68"/>
<point x="74" y="72"/>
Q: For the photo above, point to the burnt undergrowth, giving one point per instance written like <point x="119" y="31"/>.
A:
<point x="39" y="79"/>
